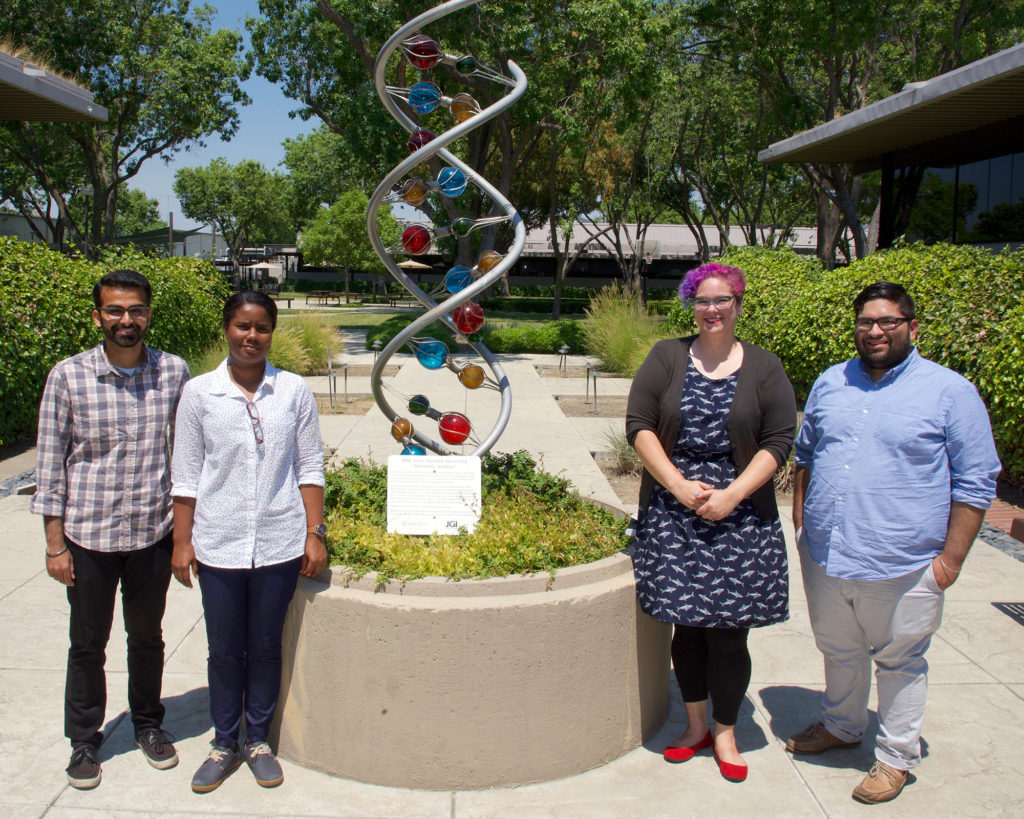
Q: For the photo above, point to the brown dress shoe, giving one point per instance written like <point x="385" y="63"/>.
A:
<point x="814" y="739"/>
<point x="882" y="783"/>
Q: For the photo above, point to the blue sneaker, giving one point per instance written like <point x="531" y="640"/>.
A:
<point x="221" y="762"/>
<point x="264" y="764"/>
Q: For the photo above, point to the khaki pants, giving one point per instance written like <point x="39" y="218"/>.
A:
<point x="886" y="622"/>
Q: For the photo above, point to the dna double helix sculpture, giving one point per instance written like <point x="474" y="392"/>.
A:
<point x="451" y="302"/>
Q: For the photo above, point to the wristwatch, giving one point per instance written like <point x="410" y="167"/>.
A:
<point x="320" y="530"/>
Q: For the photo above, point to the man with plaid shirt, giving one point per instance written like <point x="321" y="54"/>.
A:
<point x="103" y="489"/>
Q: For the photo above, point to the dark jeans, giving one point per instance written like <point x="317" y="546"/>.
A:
<point x="245" y="611"/>
<point x="144" y="575"/>
<point x="712" y="661"/>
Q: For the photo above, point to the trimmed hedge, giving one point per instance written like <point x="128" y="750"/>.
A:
<point x="46" y="315"/>
<point x="528" y="304"/>
<point x="968" y="305"/>
<point x="548" y="338"/>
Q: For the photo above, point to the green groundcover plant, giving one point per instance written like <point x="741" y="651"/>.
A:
<point x="46" y="307"/>
<point x="531" y="521"/>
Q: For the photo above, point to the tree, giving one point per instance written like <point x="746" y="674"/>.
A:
<point x="321" y="168"/>
<point x="246" y="202"/>
<point x="816" y="60"/>
<point x="337" y="236"/>
<point x="137" y="213"/>
<point x="165" y="77"/>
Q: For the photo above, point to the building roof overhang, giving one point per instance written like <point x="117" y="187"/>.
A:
<point x="35" y="95"/>
<point x="969" y="113"/>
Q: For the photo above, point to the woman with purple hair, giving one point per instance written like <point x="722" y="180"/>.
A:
<point x="712" y="418"/>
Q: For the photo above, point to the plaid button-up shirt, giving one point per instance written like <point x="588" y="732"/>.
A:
<point x="102" y="457"/>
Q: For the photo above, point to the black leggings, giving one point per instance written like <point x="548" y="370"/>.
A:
<point x="712" y="661"/>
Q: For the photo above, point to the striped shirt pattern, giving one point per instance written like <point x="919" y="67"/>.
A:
<point x="103" y="451"/>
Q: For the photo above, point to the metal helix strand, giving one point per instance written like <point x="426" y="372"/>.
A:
<point x="436" y="147"/>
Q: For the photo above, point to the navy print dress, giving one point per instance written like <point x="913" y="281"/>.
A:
<point x="713" y="574"/>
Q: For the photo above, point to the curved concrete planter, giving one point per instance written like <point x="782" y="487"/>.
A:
<point x="472" y="684"/>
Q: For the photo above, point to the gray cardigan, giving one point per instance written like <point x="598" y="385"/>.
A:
<point x="762" y="415"/>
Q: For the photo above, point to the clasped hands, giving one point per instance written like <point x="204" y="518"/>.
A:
<point x="706" y="501"/>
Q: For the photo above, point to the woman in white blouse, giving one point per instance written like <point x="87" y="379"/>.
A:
<point x="248" y="481"/>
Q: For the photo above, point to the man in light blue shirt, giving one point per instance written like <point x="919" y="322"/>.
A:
<point x="895" y="468"/>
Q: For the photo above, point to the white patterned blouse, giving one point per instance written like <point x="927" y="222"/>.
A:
<point x="243" y="462"/>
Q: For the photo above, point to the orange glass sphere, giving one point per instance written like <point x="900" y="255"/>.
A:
<point x="401" y="429"/>
<point x="488" y="261"/>
<point x="471" y="376"/>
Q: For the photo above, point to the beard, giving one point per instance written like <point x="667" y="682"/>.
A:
<point x="122" y="336"/>
<point x="886" y="357"/>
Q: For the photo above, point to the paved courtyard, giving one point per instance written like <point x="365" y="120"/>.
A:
<point x="973" y="732"/>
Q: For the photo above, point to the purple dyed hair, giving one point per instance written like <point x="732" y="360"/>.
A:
<point x="733" y="277"/>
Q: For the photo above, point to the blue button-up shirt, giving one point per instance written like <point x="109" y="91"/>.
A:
<point x="887" y="458"/>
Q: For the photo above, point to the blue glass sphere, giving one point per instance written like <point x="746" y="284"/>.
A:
<point x="432" y="353"/>
<point x="424" y="97"/>
<point x="457" y="278"/>
<point x="452" y="182"/>
<point x="413" y="449"/>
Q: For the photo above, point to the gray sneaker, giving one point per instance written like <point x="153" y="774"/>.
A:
<point x="156" y="746"/>
<point x="264" y="764"/>
<point x="84" y="769"/>
<point x="221" y="762"/>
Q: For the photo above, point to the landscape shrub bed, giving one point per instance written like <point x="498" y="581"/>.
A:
<point x="531" y="521"/>
<point x="547" y="338"/>
<point x="46" y="315"/>
<point x="528" y="304"/>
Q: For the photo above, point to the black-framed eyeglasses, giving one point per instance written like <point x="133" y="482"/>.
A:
<point x="721" y="302"/>
<point x="885" y="323"/>
<point x="115" y="312"/>
<point x="254" y="416"/>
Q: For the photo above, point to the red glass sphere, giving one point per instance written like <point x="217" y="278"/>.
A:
<point x="423" y="51"/>
<point x="416" y="240"/>
<point x="417" y="139"/>
<point x="468" y="317"/>
<point x="454" y="427"/>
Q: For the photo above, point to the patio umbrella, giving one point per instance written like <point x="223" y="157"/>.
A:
<point x="412" y="264"/>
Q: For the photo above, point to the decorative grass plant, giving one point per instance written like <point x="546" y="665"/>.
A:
<point x="531" y="522"/>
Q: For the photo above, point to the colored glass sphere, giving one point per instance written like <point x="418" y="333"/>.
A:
<point x="424" y="97"/>
<point x="488" y="261"/>
<point x="451" y="181"/>
<point x="468" y="317"/>
<point x="413" y="449"/>
<point x="418" y="405"/>
<point x="467" y="65"/>
<point x="414" y="191"/>
<point x="431" y="353"/>
<point x="454" y="427"/>
<point x="458" y="278"/>
<point x="416" y="240"/>
<point x="401" y="429"/>
<point x="423" y="51"/>
<point x="471" y="376"/>
<point x="463" y="107"/>
<point x="417" y="139"/>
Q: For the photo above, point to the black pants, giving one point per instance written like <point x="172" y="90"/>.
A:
<point x="144" y="575"/>
<point x="712" y="661"/>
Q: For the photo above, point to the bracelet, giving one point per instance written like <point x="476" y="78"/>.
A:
<point x="58" y="554"/>
<point x="944" y="566"/>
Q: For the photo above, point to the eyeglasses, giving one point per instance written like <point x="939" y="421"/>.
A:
<point x="115" y="312"/>
<point x="885" y="323"/>
<point x="254" y="416"/>
<point x="721" y="302"/>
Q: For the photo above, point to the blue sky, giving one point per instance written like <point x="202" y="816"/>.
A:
<point x="264" y="124"/>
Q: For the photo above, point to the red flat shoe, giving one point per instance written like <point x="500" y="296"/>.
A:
<point x="734" y="773"/>
<point x="685" y="752"/>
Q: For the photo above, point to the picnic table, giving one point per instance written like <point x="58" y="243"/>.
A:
<point x="324" y="297"/>
<point x="286" y="299"/>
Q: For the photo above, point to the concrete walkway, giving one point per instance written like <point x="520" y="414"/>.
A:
<point x="973" y="732"/>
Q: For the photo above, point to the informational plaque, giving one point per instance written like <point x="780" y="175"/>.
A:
<point x="428" y="495"/>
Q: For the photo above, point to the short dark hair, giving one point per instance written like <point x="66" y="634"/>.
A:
<point x="888" y="291"/>
<point x="122" y="280"/>
<point x="236" y="300"/>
